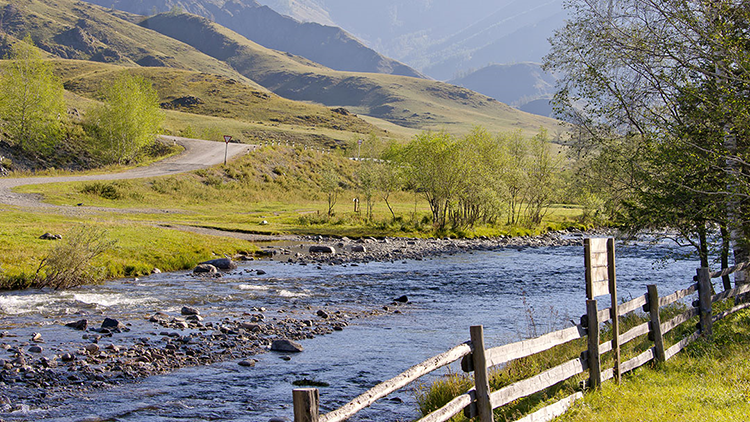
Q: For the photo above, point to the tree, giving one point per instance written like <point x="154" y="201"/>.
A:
<point x="663" y="83"/>
<point x="129" y="118"/>
<point x="331" y="187"/>
<point x="32" y="107"/>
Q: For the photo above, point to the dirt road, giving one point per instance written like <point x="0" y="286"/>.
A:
<point x="198" y="154"/>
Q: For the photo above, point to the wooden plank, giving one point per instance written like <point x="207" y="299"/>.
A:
<point x="604" y="315"/>
<point x="387" y="387"/>
<point x="744" y="288"/>
<point x="605" y="347"/>
<point x="632" y="305"/>
<point x="593" y="357"/>
<point x="614" y="314"/>
<point x="638" y="361"/>
<point x="599" y="259"/>
<point x="552" y="411"/>
<point x="658" y="334"/>
<point x="597" y="244"/>
<point x="634" y="333"/>
<point x="451" y="409"/>
<point x="704" y="299"/>
<point x="679" y="319"/>
<point x="730" y="270"/>
<point x="599" y="275"/>
<point x="506" y="353"/>
<point x="674" y="297"/>
<point x="481" y="377"/>
<point x="537" y="383"/>
<point x="306" y="404"/>
<point x="608" y="374"/>
<point x="681" y="344"/>
<point x="728" y="312"/>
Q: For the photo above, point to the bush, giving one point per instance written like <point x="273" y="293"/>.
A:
<point x="69" y="263"/>
<point x="104" y="190"/>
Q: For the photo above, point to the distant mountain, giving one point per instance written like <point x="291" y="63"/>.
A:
<point x="524" y="85"/>
<point x="327" y="45"/>
<point x="408" y="102"/>
<point x="441" y="37"/>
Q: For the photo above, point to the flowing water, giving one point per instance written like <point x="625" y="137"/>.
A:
<point x="513" y="293"/>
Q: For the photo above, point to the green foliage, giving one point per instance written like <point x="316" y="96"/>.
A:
<point x="129" y="119"/>
<point x="31" y="104"/>
<point x="104" y="190"/>
<point x="69" y="262"/>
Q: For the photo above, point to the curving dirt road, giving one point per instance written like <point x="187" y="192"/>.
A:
<point x="198" y="154"/>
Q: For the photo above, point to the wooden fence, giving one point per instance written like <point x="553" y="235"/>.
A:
<point x="479" y="402"/>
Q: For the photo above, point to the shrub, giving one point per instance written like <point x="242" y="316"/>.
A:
<point x="104" y="190"/>
<point x="69" y="263"/>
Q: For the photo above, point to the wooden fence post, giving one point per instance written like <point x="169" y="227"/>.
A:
<point x="594" y="363"/>
<point x="306" y="402"/>
<point x="481" y="379"/>
<point x="704" y="301"/>
<point x="613" y="310"/>
<point x="653" y="308"/>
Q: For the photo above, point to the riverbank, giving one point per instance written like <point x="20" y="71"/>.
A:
<point x="75" y="355"/>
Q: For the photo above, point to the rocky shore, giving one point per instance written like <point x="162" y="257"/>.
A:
<point x="34" y="371"/>
<point x="337" y="251"/>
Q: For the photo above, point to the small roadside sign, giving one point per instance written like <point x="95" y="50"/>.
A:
<point x="227" y="138"/>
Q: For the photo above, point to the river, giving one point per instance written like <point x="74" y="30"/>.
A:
<point x="514" y="293"/>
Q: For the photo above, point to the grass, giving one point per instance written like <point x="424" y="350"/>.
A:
<point x="709" y="380"/>
<point x="140" y="246"/>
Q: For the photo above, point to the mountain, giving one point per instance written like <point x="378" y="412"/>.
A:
<point x="75" y="30"/>
<point x="441" y="38"/>
<point x="328" y="45"/>
<point x="409" y="102"/>
<point x="519" y="85"/>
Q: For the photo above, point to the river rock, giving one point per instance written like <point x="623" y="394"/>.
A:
<point x="187" y="310"/>
<point x="80" y="325"/>
<point x="92" y="348"/>
<point x="112" y="324"/>
<point x="221" y="263"/>
<point x="286" y="346"/>
<point x="35" y="349"/>
<point x="205" y="269"/>
<point x="322" y="249"/>
<point x="259" y="272"/>
<point x="321" y="313"/>
<point x="401" y="299"/>
<point x="249" y="363"/>
<point x="37" y="338"/>
<point x="359" y="248"/>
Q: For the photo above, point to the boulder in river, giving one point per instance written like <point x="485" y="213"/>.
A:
<point x="112" y="324"/>
<point x="401" y="299"/>
<point x="359" y="248"/>
<point x="221" y="263"/>
<point x="80" y="325"/>
<point x="187" y="310"/>
<point x="286" y="346"/>
<point x="205" y="269"/>
<point x="322" y="249"/>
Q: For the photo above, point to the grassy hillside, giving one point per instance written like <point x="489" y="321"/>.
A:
<point x="409" y="102"/>
<point x="76" y="30"/>
<point x="214" y="95"/>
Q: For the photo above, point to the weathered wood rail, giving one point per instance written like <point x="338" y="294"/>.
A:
<point x="480" y="402"/>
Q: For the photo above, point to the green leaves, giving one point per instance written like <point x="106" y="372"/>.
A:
<point x="31" y="100"/>
<point x="129" y="119"/>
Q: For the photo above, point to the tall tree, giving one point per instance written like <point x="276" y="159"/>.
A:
<point x="129" y="119"/>
<point x="32" y="107"/>
<point x="665" y="77"/>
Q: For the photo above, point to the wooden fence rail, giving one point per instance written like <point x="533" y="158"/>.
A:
<point x="479" y="402"/>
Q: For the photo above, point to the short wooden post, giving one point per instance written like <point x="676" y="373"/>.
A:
<point x="594" y="362"/>
<point x="613" y="310"/>
<point x="704" y="301"/>
<point x="653" y="309"/>
<point x="306" y="402"/>
<point x="481" y="379"/>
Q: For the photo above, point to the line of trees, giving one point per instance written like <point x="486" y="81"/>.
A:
<point x="34" y="118"/>
<point x="474" y="179"/>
